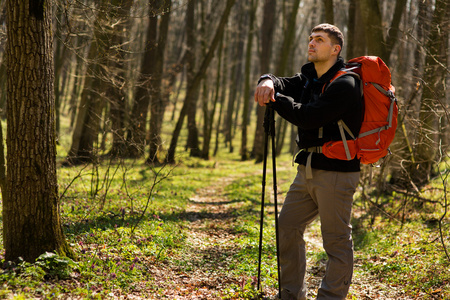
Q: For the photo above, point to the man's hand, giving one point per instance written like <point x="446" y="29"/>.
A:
<point x="265" y="92"/>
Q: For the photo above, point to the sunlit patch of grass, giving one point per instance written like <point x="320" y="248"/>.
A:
<point x="411" y="257"/>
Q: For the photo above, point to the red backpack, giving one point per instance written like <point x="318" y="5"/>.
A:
<point x="380" y="113"/>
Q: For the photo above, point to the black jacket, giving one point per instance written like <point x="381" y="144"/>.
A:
<point x="303" y="101"/>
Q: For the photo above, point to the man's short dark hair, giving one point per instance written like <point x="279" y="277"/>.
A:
<point x="333" y="32"/>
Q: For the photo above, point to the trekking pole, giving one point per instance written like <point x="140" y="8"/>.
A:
<point x="261" y="223"/>
<point x="269" y="129"/>
<point x="274" y="168"/>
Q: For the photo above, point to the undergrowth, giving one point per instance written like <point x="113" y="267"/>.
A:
<point x="128" y="224"/>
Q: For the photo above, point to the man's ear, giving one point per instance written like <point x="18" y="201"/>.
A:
<point x="336" y="49"/>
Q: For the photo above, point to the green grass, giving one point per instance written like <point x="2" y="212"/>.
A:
<point x="123" y="227"/>
<point x="411" y="256"/>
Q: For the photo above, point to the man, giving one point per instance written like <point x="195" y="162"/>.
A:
<point x="323" y="187"/>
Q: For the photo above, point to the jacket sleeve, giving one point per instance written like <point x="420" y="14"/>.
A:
<point x="337" y="100"/>
<point x="288" y="91"/>
<point x="289" y="86"/>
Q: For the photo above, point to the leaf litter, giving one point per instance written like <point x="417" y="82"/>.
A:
<point x="204" y="274"/>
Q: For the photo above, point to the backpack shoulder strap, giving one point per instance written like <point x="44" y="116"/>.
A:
<point x="349" y="70"/>
<point x="342" y="72"/>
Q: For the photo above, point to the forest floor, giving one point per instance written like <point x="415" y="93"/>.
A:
<point x="199" y="240"/>
<point x="211" y="236"/>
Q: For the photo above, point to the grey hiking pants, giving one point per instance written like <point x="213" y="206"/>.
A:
<point x="328" y="195"/>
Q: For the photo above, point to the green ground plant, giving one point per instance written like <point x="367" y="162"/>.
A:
<point x="135" y="232"/>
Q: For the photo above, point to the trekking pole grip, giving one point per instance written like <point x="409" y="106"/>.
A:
<point x="269" y="120"/>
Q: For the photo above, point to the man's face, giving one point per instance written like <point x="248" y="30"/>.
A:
<point x="320" y="47"/>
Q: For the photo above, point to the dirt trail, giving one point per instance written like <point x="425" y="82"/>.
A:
<point x="210" y="230"/>
<point x="209" y="234"/>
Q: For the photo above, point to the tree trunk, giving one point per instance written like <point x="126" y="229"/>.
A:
<point x="401" y="167"/>
<point x="31" y="222"/>
<point x="267" y="29"/>
<point x="372" y="21"/>
<point x="60" y="56"/>
<point x="329" y="11"/>
<point x="288" y="40"/>
<point x="373" y="26"/>
<point x="191" y="42"/>
<point x="158" y="101"/>
<point x="196" y="81"/>
<point x="138" y="120"/>
<point x="236" y="73"/>
<point x="356" y="40"/>
<point x="393" y="32"/>
<point x="2" y="165"/>
<point x="3" y="14"/>
<point x="3" y="86"/>
<point x="76" y="91"/>
<point x="226" y="59"/>
<point x="247" y="97"/>
<point x="281" y="69"/>
<point x="209" y="116"/>
<point x="92" y="101"/>
<point x="432" y="97"/>
<point x="116" y="92"/>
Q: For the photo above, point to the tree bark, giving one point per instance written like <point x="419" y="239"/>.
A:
<point x="191" y="42"/>
<point x="236" y="73"/>
<point x="92" y="101"/>
<point x="356" y="39"/>
<point x="372" y="20"/>
<point x="2" y="165"/>
<point x="267" y="29"/>
<point x="247" y="97"/>
<point x="158" y="102"/>
<point x="281" y="69"/>
<point x="138" y="120"/>
<point x="116" y="91"/>
<point x="373" y="26"/>
<point x="401" y="167"/>
<point x="223" y="93"/>
<point x="209" y="115"/>
<point x="329" y="11"/>
<point x="393" y="32"/>
<point x="60" y="56"/>
<point x="31" y="222"/>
